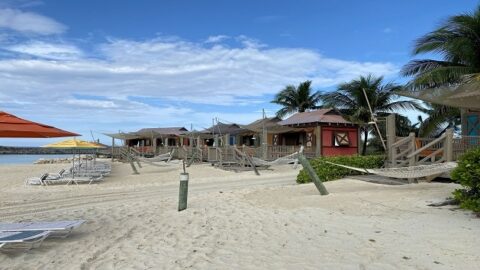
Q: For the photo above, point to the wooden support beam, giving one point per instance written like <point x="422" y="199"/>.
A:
<point x="264" y="145"/>
<point x="448" y="146"/>
<point x="313" y="175"/>
<point x="391" y="137"/>
<point x="113" y="147"/>
<point x="412" y="159"/>
<point x="318" y="141"/>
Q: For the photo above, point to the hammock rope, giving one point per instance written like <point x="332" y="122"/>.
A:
<point x="158" y="158"/>
<point x="279" y="161"/>
<point x="417" y="171"/>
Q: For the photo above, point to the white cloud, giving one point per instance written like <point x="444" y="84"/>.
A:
<point x="183" y="76"/>
<point x="100" y="104"/>
<point x="216" y="39"/>
<point x="48" y="50"/>
<point x="29" y="22"/>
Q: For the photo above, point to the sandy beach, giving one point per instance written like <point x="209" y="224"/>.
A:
<point x="239" y="221"/>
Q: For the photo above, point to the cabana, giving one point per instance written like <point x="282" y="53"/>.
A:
<point x="149" y="140"/>
<point x="266" y="130"/>
<point x="465" y="96"/>
<point x="222" y="134"/>
<point x="323" y="132"/>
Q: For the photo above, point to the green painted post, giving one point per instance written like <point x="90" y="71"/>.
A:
<point x="183" y="193"/>
<point x="313" y="175"/>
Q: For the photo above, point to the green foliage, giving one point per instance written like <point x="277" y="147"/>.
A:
<point x="296" y="99"/>
<point x="456" y="42"/>
<point x="467" y="174"/>
<point x="328" y="172"/>
<point x="350" y="100"/>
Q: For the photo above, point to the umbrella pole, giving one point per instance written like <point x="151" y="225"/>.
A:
<point x="73" y="164"/>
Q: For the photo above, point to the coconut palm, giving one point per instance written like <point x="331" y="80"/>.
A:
<point x="350" y="100"/>
<point x="296" y="99"/>
<point x="457" y="41"/>
<point x="439" y="119"/>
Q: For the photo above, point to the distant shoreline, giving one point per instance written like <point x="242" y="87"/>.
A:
<point x="15" y="150"/>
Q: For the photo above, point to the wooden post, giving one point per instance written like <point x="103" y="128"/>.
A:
<point x="128" y="155"/>
<point x="264" y="145"/>
<point x="413" y="159"/>
<point x="215" y="141"/>
<point x="113" y="147"/>
<point x="183" y="191"/>
<point x="318" y="141"/>
<point x="391" y="137"/>
<point x="313" y="175"/>
<point x="412" y="146"/>
<point x="448" y="146"/>
<point x="226" y="140"/>
<point x="154" y="145"/>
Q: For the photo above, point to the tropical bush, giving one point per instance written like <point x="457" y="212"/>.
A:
<point x="467" y="174"/>
<point x="328" y="172"/>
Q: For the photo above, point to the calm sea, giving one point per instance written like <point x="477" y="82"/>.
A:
<point x="27" y="159"/>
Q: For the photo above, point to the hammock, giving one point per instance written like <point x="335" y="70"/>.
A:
<point x="279" y="161"/>
<point x="417" y="171"/>
<point x="162" y="157"/>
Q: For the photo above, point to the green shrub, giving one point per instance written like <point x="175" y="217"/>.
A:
<point x="467" y="174"/>
<point x="328" y="172"/>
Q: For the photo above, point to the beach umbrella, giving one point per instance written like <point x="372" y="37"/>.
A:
<point x="12" y="126"/>
<point x="75" y="144"/>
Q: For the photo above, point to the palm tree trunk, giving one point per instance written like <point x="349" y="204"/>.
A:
<point x="365" y="138"/>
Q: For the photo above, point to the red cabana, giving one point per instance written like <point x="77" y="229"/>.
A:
<point x="15" y="127"/>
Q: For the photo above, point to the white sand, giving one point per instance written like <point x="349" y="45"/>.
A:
<point x="239" y="221"/>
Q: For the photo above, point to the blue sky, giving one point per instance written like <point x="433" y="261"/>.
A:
<point x="104" y="66"/>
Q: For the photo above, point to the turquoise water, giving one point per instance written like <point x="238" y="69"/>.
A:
<point x="27" y="159"/>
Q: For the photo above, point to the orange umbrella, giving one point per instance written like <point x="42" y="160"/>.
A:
<point x="15" y="127"/>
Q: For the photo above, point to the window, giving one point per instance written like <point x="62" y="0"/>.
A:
<point x="341" y="139"/>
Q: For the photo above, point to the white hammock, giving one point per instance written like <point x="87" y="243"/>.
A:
<point x="162" y="157"/>
<point x="279" y="161"/>
<point x="417" y="171"/>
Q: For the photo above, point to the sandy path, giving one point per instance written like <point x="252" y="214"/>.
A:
<point x="241" y="221"/>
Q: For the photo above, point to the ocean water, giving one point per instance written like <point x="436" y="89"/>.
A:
<point x="27" y="159"/>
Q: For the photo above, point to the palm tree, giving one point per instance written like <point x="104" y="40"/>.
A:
<point x="440" y="118"/>
<point x="350" y="100"/>
<point x="296" y="99"/>
<point x="457" y="41"/>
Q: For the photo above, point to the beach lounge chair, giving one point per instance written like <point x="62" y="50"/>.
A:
<point x="23" y="240"/>
<point x="74" y="179"/>
<point x="46" y="176"/>
<point x="36" y="180"/>
<point x="65" y="179"/>
<point x="61" y="228"/>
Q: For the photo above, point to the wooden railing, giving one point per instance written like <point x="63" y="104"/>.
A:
<point x="410" y="151"/>
<point x="212" y="154"/>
